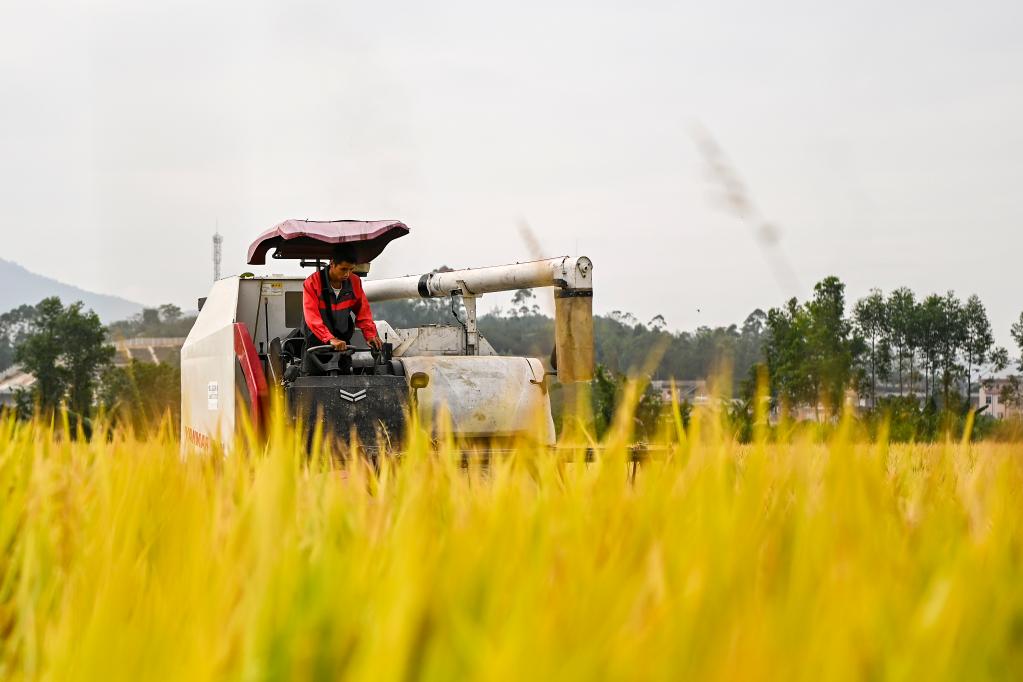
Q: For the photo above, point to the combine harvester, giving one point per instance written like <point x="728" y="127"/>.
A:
<point x="247" y="343"/>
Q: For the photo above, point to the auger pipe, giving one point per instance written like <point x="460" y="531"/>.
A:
<point x="572" y="274"/>
<point x="572" y="277"/>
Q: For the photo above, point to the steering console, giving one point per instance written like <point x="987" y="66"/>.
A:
<point x="326" y="361"/>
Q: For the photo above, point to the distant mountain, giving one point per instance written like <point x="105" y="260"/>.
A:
<point x="19" y="286"/>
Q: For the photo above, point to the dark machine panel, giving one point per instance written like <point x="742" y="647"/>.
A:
<point x="293" y="313"/>
<point x="376" y="406"/>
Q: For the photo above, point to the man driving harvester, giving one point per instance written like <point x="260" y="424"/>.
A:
<point x="331" y="298"/>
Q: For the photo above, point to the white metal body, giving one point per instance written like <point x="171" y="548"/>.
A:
<point x="484" y="397"/>
<point x="208" y="362"/>
<point x="434" y="339"/>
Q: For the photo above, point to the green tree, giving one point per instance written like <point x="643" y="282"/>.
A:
<point x="524" y="303"/>
<point x="1011" y="393"/>
<point x="40" y="353"/>
<point x="142" y="393"/>
<point x="900" y="306"/>
<point x="928" y="325"/>
<point x="833" y="348"/>
<point x="871" y="317"/>
<point x="165" y="321"/>
<point x="999" y="359"/>
<point x="86" y="355"/>
<point x="6" y="352"/>
<point x="786" y="353"/>
<point x="951" y="342"/>
<point x="151" y="317"/>
<point x="914" y="345"/>
<point x="978" y="338"/>
<point x="14" y="324"/>
<point x="755" y="324"/>
<point x="606" y="392"/>
<point x="810" y="350"/>
<point x="170" y="313"/>
<point x="65" y="350"/>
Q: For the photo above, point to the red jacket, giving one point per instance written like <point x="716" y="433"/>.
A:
<point x="312" y="300"/>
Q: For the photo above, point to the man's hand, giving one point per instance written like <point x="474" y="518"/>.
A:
<point x="375" y="342"/>
<point x="338" y="344"/>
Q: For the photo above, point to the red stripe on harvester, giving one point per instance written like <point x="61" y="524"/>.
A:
<point x="252" y="369"/>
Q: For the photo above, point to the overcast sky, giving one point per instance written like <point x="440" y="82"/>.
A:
<point x="883" y="140"/>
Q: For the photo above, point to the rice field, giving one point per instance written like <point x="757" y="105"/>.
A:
<point x="716" y="561"/>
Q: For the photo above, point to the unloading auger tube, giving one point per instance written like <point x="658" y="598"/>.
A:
<point x="572" y="278"/>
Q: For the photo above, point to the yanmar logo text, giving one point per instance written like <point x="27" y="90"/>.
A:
<point x="353" y="397"/>
<point x="198" y="440"/>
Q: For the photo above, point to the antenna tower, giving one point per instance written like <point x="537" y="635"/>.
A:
<point x="218" y="241"/>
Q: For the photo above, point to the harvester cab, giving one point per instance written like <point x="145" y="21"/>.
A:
<point x="248" y="342"/>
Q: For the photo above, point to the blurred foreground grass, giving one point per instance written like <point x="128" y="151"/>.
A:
<point x="720" y="561"/>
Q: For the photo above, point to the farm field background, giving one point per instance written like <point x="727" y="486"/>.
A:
<point x="718" y="561"/>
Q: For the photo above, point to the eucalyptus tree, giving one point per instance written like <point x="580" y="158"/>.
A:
<point x="786" y="352"/>
<point x="928" y="330"/>
<point x="871" y="317"/>
<point x="833" y="345"/>
<point x="901" y="308"/>
<point x="951" y="342"/>
<point x="999" y="359"/>
<point x="977" y="337"/>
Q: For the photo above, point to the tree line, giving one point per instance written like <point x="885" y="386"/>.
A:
<point x="812" y="353"/>
<point x="68" y="351"/>
<point x="927" y="348"/>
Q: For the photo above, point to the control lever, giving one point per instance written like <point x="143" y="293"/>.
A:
<point x="382" y="359"/>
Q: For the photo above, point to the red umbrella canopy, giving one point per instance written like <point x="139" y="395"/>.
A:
<point x="311" y="239"/>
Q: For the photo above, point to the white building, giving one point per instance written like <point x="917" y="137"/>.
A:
<point x="688" y="390"/>
<point x="990" y="396"/>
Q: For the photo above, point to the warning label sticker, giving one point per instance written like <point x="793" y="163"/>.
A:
<point x="273" y="288"/>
